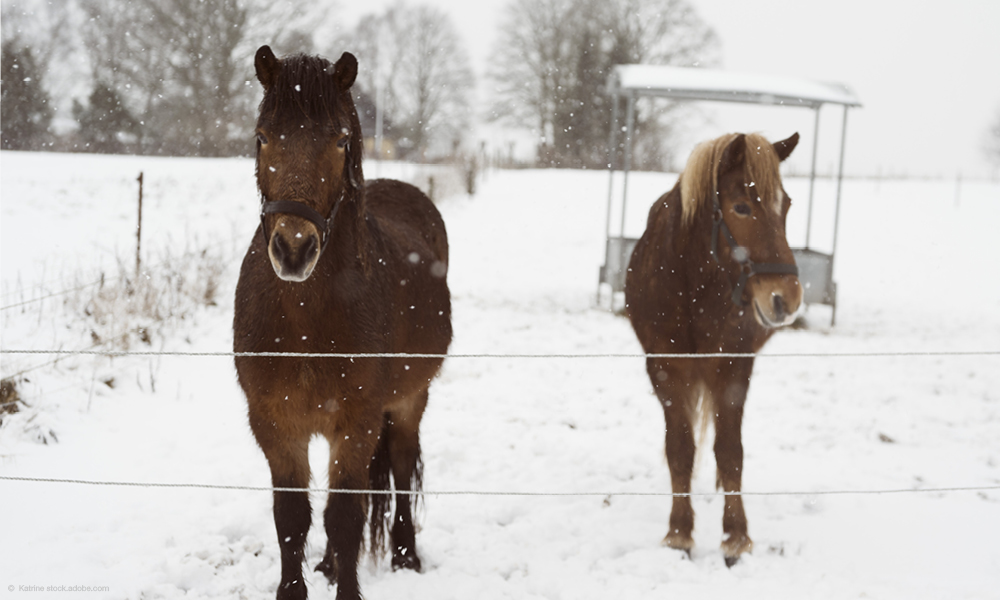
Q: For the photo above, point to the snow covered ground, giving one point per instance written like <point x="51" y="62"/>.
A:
<point x="916" y="272"/>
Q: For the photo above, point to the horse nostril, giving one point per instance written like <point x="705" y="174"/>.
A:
<point x="779" y="307"/>
<point x="279" y="248"/>
<point x="310" y="248"/>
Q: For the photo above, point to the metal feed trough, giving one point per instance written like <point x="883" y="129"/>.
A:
<point x="678" y="83"/>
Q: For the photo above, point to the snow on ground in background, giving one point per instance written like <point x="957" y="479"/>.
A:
<point x="913" y="273"/>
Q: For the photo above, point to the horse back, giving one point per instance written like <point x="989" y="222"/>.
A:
<point x="407" y="217"/>
<point x="410" y="248"/>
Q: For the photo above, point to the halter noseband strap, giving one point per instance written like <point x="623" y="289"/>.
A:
<point x="299" y="209"/>
<point x="748" y="268"/>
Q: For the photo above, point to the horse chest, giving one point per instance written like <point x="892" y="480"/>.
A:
<point x="701" y="313"/>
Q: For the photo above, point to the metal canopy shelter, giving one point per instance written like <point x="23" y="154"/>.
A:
<point x="635" y="81"/>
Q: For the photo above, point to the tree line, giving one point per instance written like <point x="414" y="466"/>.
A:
<point x="175" y="77"/>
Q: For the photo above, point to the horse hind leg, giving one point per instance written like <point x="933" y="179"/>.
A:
<point x="403" y="436"/>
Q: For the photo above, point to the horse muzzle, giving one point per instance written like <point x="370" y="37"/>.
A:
<point x="777" y="304"/>
<point x="294" y="252"/>
<point x="293" y="247"/>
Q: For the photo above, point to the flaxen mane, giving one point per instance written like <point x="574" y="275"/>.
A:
<point x="701" y="175"/>
<point x="701" y="308"/>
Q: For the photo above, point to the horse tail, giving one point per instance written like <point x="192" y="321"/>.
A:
<point x="704" y="410"/>
<point x="417" y="483"/>
<point x="379" y="471"/>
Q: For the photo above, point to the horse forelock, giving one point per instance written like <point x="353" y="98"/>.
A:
<point x="305" y="88"/>
<point x="700" y="179"/>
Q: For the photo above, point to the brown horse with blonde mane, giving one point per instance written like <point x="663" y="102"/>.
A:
<point x="687" y="292"/>
<point x="337" y="266"/>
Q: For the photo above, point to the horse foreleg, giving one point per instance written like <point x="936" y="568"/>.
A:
<point x="344" y="517"/>
<point x="404" y="451"/>
<point x="289" y="464"/>
<point x="676" y="394"/>
<point x="729" y="397"/>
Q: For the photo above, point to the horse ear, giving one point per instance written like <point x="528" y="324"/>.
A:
<point x="266" y="65"/>
<point x="734" y="155"/>
<point x="785" y="147"/>
<point x="345" y="71"/>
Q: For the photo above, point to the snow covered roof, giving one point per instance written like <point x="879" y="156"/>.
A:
<point x="726" y="86"/>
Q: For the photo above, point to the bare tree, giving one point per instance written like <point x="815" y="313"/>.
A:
<point x="413" y="64"/>
<point x="185" y="66"/>
<point x="554" y="58"/>
<point x="177" y="60"/>
<point x="437" y="80"/>
<point x="378" y="41"/>
<point x="533" y="54"/>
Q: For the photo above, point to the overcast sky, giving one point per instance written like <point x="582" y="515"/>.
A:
<point x="927" y="73"/>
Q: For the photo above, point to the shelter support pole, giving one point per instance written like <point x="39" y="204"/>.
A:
<point x="812" y="176"/>
<point x="836" y="218"/>
<point x="629" y="118"/>
<point x="840" y="181"/>
<point x="612" y="151"/>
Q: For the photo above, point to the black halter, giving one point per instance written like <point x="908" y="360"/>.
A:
<point x="748" y="268"/>
<point x="299" y="209"/>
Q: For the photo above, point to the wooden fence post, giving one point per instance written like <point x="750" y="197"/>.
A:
<point x="138" y="229"/>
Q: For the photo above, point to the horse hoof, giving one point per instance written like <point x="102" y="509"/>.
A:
<point x="295" y="590"/>
<point x="679" y="541"/>
<point x="409" y="561"/>
<point x="328" y="568"/>
<point x="734" y="547"/>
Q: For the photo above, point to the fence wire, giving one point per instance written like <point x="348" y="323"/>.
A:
<point x="55" y="294"/>
<point x="501" y="493"/>
<point x="109" y="280"/>
<point x="498" y="493"/>
<point x="350" y="355"/>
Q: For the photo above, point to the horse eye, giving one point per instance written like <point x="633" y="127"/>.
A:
<point x="742" y="209"/>
<point x="261" y="139"/>
<point x="342" y="142"/>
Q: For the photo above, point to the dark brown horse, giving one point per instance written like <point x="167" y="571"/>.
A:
<point x="713" y="273"/>
<point x="336" y="266"/>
